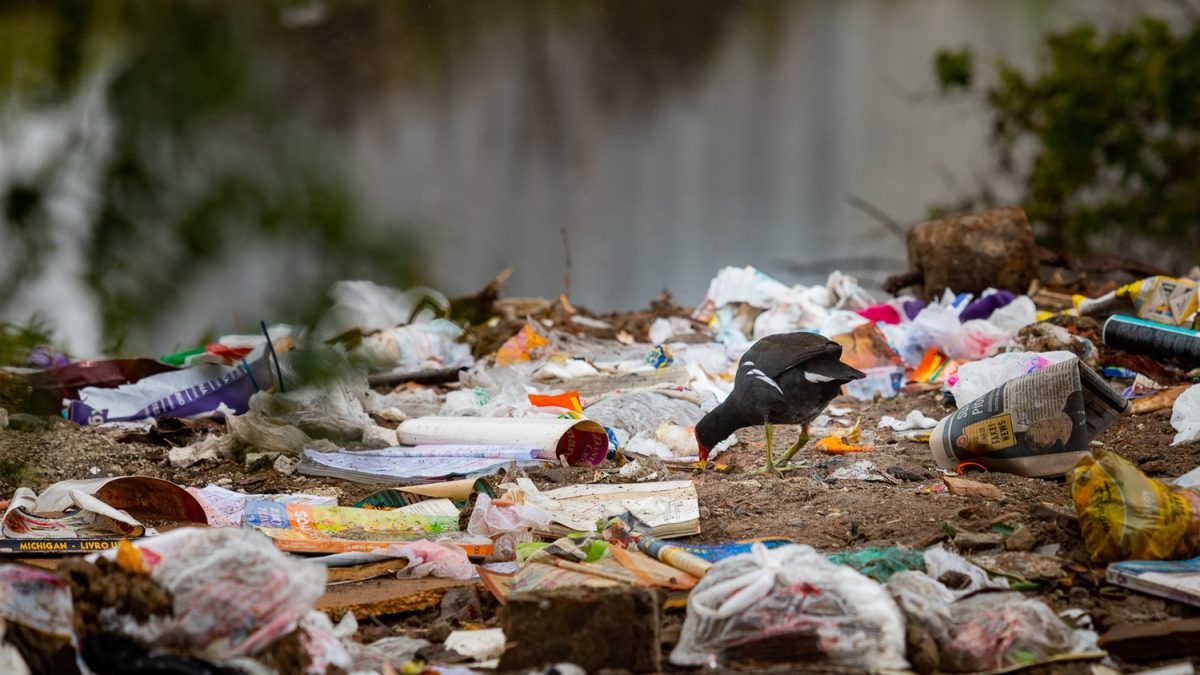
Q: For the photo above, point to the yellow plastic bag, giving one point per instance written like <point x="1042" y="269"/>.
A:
<point x="1125" y="515"/>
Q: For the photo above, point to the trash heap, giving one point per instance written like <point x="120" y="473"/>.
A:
<point x="416" y="483"/>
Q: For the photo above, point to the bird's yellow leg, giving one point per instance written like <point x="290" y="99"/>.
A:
<point x="770" y="467"/>
<point x="791" y="452"/>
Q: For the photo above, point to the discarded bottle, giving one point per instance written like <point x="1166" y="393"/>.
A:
<point x="1139" y="336"/>
<point x="1163" y="299"/>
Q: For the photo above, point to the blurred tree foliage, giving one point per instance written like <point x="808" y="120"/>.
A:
<point x="221" y="114"/>
<point x="1104" y="143"/>
<point x="207" y="156"/>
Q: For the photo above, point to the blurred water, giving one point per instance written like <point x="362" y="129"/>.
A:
<point x="728" y="139"/>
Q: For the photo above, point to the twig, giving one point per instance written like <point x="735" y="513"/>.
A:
<point x="889" y="223"/>
<point x="567" y="257"/>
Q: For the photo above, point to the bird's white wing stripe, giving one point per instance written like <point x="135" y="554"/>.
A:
<point x="765" y="378"/>
<point x="814" y="377"/>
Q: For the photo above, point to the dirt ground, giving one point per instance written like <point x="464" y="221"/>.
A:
<point x="829" y="515"/>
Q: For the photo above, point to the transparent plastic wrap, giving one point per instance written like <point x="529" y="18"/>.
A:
<point x="1125" y="515"/>
<point x="506" y="524"/>
<point x="233" y="592"/>
<point x="431" y="559"/>
<point x="635" y="412"/>
<point x="790" y="604"/>
<point x="999" y="630"/>
<point x="329" y="403"/>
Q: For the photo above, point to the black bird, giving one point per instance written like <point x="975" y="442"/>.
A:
<point x="782" y="379"/>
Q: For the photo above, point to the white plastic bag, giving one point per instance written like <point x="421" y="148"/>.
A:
<point x="915" y="420"/>
<point x="977" y="378"/>
<point x="939" y="560"/>
<point x="739" y="284"/>
<point x="1185" y="416"/>
<point x="419" y="346"/>
<point x="772" y="597"/>
<point x="370" y="307"/>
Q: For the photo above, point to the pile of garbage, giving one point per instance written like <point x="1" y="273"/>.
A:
<point x="450" y="413"/>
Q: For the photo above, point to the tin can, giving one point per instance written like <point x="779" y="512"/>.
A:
<point x="1139" y="336"/>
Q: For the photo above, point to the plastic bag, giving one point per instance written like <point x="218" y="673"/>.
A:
<point x="527" y="345"/>
<point x="1125" y="515"/>
<point x="977" y="378"/>
<point x="790" y="600"/>
<point x="329" y="405"/>
<point x="233" y="592"/>
<point x="924" y="600"/>
<point x="739" y="285"/>
<point x="268" y="435"/>
<point x="431" y="559"/>
<point x="506" y="524"/>
<point x="415" y="347"/>
<point x="915" y="420"/>
<point x="1185" y="416"/>
<point x="942" y="563"/>
<point x="392" y="651"/>
<point x="321" y="641"/>
<point x="638" y="412"/>
<point x="998" y="630"/>
<point x="939" y="325"/>
<point x="370" y="307"/>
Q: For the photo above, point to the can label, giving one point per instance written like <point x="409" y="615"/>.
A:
<point x="1139" y="336"/>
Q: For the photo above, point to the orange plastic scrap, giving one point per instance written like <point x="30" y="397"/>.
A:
<point x="567" y="399"/>
<point x="836" y="445"/>
<point x="934" y="368"/>
<point x="518" y="347"/>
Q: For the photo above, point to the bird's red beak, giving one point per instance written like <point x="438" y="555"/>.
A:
<point x="703" y="452"/>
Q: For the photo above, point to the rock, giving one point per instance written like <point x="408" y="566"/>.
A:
<point x="224" y="482"/>
<point x="623" y="622"/>
<point x="969" y="254"/>
<point x="460" y="606"/>
<point x="1022" y="539"/>
<point x="379" y="437"/>
<point x="923" y="654"/>
<point x="27" y="422"/>
<point x="978" y="541"/>
<point x="970" y="488"/>
<point x="904" y="474"/>
<point x="286" y="465"/>
<point x="3" y="418"/>
<point x="257" y="460"/>
<point x="390" y="415"/>
<point x="1063" y="520"/>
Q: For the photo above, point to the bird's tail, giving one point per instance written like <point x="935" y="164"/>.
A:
<point x="834" y="370"/>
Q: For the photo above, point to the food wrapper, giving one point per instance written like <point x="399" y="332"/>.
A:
<point x="1125" y="515"/>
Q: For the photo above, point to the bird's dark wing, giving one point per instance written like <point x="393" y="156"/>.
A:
<point x="776" y="354"/>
